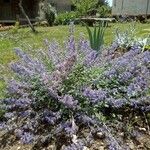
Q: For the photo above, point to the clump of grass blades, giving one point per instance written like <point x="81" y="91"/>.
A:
<point x="96" y="37"/>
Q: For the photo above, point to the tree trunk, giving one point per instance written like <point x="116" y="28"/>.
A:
<point x="26" y="16"/>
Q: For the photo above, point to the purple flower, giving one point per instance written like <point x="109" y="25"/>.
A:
<point x="146" y="109"/>
<point x="69" y="101"/>
<point x="15" y="87"/>
<point x="22" y="103"/>
<point x="95" y="96"/>
<point x="69" y="127"/>
<point x="9" y="115"/>
<point x="141" y="82"/>
<point x="112" y="146"/>
<point x="21" y="70"/>
<point x="29" y="67"/>
<point x="50" y="117"/>
<point x="84" y="46"/>
<point x="26" y="113"/>
<point x="117" y="103"/>
<point x="134" y="103"/>
<point x="136" y="49"/>
<point x="27" y="138"/>
<point x="90" y="58"/>
<point x="111" y="73"/>
<point x="125" y="76"/>
<point x="113" y="47"/>
<point x="31" y="124"/>
<point x="70" y="46"/>
<point x="2" y="125"/>
<point x="54" y="52"/>
<point x="146" y="57"/>
<point x="9" y="101"/>
<point x="121" y="64"/>
<point x="23" y="55"/>
<point x="18" y="133"/>
<point x="131" y="90"/>
<point x="86" y="120"/>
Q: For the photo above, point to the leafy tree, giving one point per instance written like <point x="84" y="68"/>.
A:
<point x="102" y="2"/>
<point x="85" y="6"/>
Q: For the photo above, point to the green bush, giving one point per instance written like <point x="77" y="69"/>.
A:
<point x="47" y="12"/>
<point x="104" y="11"/>
<point x="85" y="6"/>
<point x="50" y="14"/>
<point x="65" y="18"/>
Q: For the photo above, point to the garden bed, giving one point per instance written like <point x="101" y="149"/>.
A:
<point x="76" y="97"/>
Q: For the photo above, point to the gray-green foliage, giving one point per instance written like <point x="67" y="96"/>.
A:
<point x="47" y="12"/>
<point x="96" y="37"/>
<point x="128" y="38"/>
<point x="50" y="14"/>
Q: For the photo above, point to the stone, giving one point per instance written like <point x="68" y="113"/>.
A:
<point x="142" y="129"/>
<point x="147" y="144"/>
<point x="131" y="145"/>
<point x="44" y="23"/>
<point x="85" y="148"/>
<point x="101" y="148"/>
<point x="100" y="135"/>
<point x="51" y="147"/>
<point x="18" y="148"/>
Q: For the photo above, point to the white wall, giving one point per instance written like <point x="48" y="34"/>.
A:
<point x="130" y="7"/>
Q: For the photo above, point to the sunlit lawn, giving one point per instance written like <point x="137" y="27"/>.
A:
<point x="27" y="40"/>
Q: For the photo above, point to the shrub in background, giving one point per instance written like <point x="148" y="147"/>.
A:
<point x="50" y="14"/>
<point x="83" y="7"/>
<point x="66" y="17"/>
<point x="104" y="11"/>
<point x="91" y="7"/>
<point x="47" y="12"/>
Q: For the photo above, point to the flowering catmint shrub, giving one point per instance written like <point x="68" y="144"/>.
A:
<point x="127" y="78"/>
<point x="54" y="100"/>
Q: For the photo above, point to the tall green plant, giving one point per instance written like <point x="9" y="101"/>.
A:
<point x="96" y="36"/>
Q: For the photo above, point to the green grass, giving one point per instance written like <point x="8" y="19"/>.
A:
<point x="27" y="40"/>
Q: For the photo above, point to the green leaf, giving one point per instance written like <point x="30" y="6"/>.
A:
<point x="97" y="37"/>
<point x="90" y="34"/>
<point x="94" y="46"/>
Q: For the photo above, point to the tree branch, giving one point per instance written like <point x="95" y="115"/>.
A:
<point x="26" y="16"/>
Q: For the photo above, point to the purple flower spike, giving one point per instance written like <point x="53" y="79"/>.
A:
<point x="27" y="138"/>
<point x="69" y="101"/>
<point x="95" y="96"/>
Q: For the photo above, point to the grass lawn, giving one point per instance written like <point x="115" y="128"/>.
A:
<point x="27" y="40"/>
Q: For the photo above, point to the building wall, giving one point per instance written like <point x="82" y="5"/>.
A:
<point x="61" y="5"/>
<point x="131" y="7"/>
<point x="9" y="10"/>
